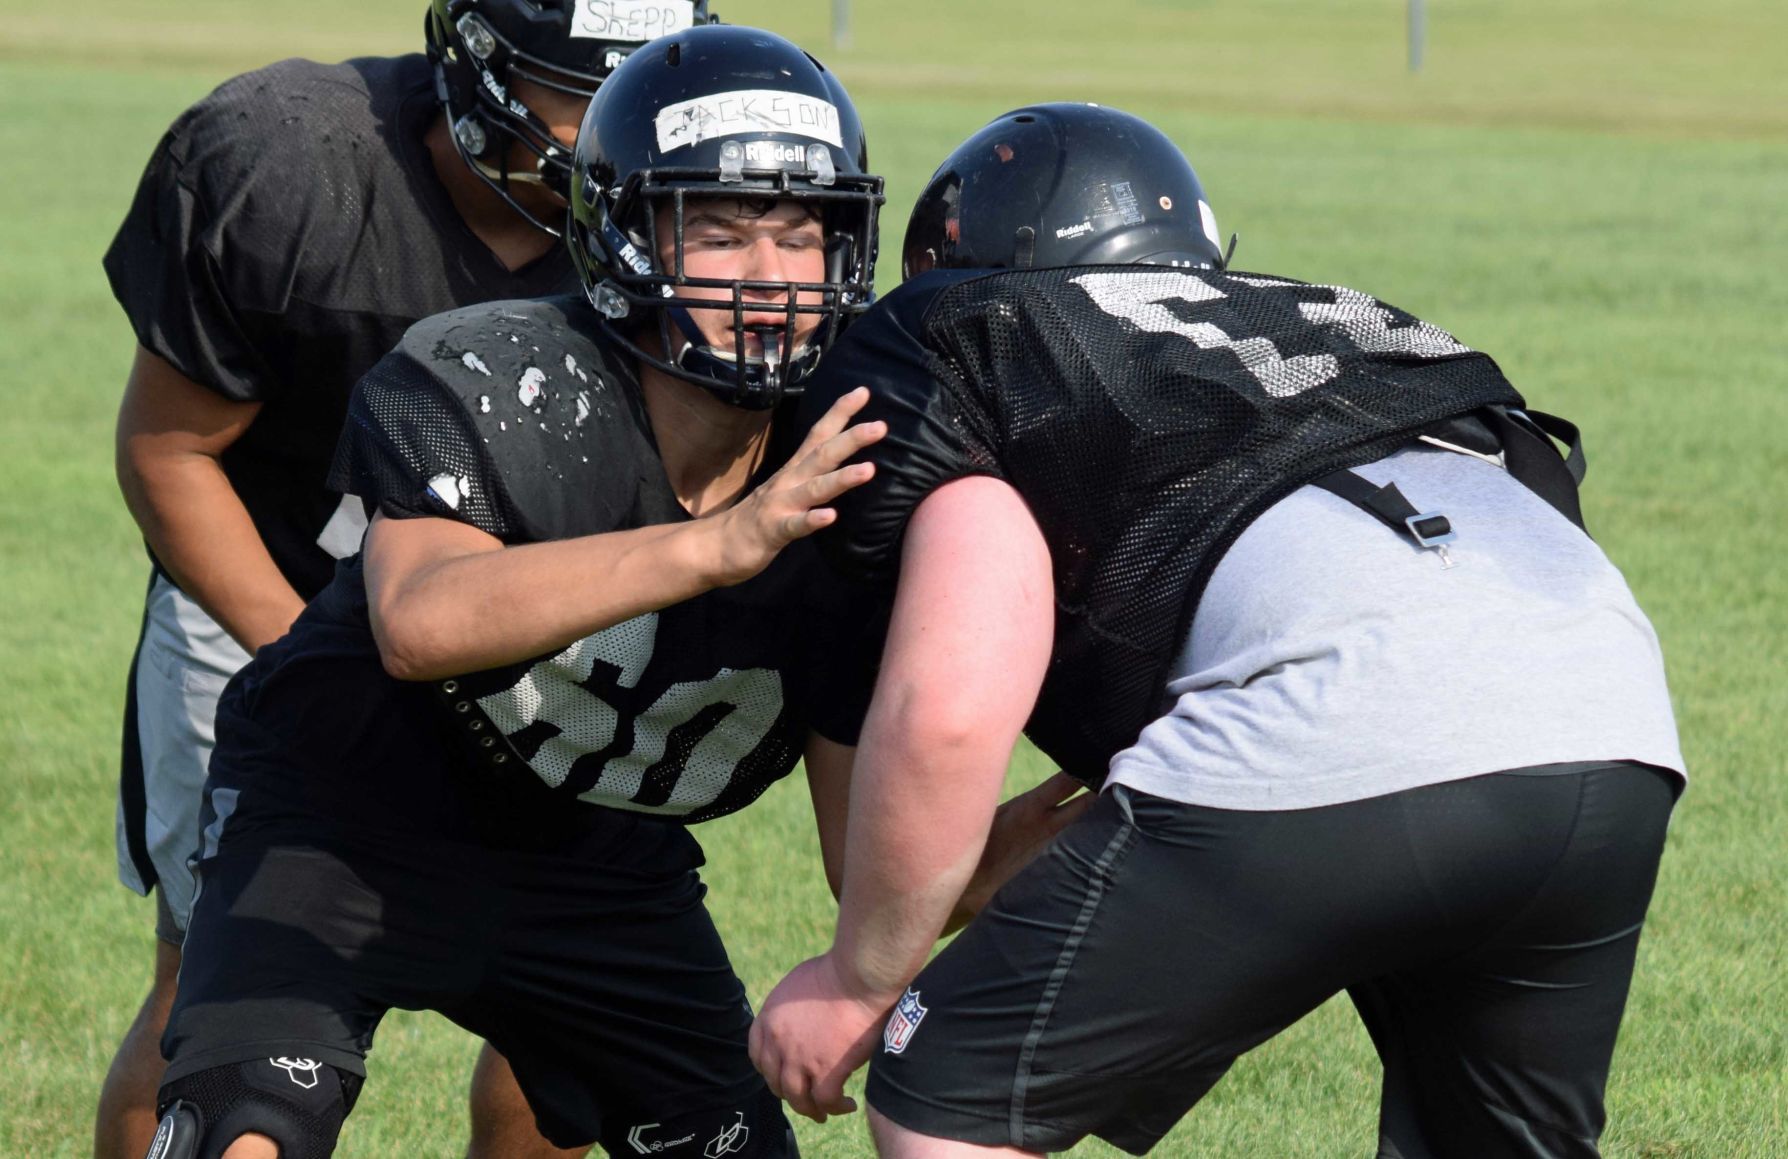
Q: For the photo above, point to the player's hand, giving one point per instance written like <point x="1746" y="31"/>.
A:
<point x="1021" y="828"/>
<point x="811" y="1035"/>
<point x="792" y="503"/>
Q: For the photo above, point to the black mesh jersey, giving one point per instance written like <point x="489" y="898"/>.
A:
<point x="288" y="229"/>
<point x="516" y="418"/>
<point x="1147" y="416"/>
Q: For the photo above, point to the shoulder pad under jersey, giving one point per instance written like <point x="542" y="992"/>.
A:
<point x="514" y="417"/>
<point x="934" y="432"/>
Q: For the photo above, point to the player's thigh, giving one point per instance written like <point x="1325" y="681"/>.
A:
<point x="298" y="947"/>
<point x="1504" y="1049"/>
<point x="615" y="1002"/>
<point x="1104" y="990"/>
<point x="183" y="662"/>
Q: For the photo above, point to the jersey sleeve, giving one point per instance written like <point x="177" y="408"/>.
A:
<point x="409" y="449"/>
<point x="203" y="260"/>
<point x="937" y="431"/>
<point x="845" y="654"/>
<point x="499" y="415"/>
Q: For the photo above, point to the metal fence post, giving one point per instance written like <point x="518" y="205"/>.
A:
<point x="1418" y="32"/>
<point x="841" y="23"/>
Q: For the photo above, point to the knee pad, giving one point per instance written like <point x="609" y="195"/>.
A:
<point x="299" y="1103"/>
<point x="754" y="1129"/>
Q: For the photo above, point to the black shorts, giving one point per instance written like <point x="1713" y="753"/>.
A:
<point x="593" y="965"/>
<point x="1485" y="929"/>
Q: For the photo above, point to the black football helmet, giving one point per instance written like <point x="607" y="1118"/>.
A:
<point x="1063" y="185"/>
<point x="478" y="46"/>
<point x="720" y="111"/>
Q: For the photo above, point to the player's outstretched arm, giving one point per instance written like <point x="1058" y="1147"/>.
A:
<point x="829" y="767"/>
<point x="447" y="598"/>
<point x="172" y="433"/>
<point x="966" y="654"/>
<point x="1022" y="828"/>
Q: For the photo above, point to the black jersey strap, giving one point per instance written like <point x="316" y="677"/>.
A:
<point x="1428" y="529"/>
<point x="1529" y="455"/>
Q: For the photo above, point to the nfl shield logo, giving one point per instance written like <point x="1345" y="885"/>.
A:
<point x="903" y="1022"/>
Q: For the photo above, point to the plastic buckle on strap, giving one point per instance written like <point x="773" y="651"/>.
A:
<point x="1431" y="529"/>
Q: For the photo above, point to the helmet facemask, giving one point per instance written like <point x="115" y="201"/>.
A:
<point x="476" y="65"/>
<point x="636" y="287"/>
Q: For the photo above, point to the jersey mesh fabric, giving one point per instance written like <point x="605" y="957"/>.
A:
<point x="287" y="230"/>
<point x="519" y="419"/>
<point x="1146" y="416"/>
<point x="398" y="439"/>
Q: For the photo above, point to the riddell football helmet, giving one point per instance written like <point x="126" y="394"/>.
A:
<point x="478" y="46"/>
<point x="1063" y="185"/>
<point x="734" y="113"/>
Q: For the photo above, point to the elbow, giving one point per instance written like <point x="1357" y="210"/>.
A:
<point x="400" y="665"/>
<point x="408" y="652"/>
<point x="130" y="470"/>
<point x="936" y="726"/>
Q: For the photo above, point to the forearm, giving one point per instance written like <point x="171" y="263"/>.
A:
<point x="467" y="612"/>
<point x="922" y="802"/>
<point x="967" y="647"/>
<point x="829" y="765"/>
<point x="196" y="524"/>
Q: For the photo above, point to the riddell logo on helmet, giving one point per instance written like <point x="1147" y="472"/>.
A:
<point x="774" y="152"/>
<point x="1080" y="230"/>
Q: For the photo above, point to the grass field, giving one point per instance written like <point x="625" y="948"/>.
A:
<point x="1593" y="192"/>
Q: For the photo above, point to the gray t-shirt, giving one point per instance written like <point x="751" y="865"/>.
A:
<point x="1331" y="660"/>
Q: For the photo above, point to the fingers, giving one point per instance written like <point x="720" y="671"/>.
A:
<point x="835" y="418"/>
<point x="1054" y="789"/>
<point x="816" y="1100"/>
<point x="835" y="450"/>
<point x="823" y="490"/>
<point x="758" y="1051"/>
<point x="831" y="442"/>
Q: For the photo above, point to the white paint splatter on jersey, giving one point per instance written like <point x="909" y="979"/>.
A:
<point x="450" y="489"/>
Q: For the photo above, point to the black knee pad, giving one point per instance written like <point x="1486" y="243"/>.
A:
<point x="299" y="1103"/>
<point x="755" y="1129"/>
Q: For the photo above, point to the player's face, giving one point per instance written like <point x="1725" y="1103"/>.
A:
<point x="777" y="241"/>
<point x="562" y="113"/>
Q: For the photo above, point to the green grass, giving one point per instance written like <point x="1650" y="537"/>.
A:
<point x="1592" y="192"/>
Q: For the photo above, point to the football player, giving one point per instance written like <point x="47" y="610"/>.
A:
<point x="463" y="781"/>
<point x="1300" y="583"/>
<point x="287" y="231"/>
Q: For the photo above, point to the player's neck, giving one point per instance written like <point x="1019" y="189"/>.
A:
<point x="709" y="449"/>
<point x="511" y="238"/>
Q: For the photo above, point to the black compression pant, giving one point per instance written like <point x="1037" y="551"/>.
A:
<point x="1485" y="928"/>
